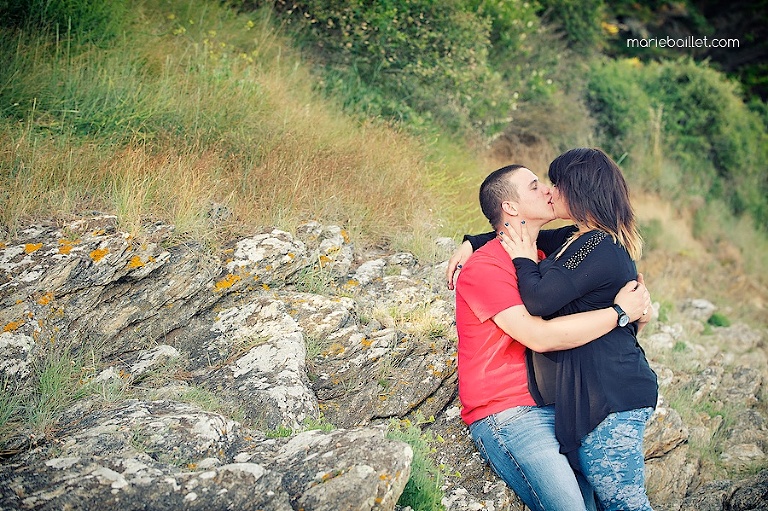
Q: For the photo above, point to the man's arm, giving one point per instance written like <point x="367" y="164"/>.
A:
<point x="574" y="330"/>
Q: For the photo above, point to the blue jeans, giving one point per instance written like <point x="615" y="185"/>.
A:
<point x="611" y="458"/>
<point x="520" y="445"/>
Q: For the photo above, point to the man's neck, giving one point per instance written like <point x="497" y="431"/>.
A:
<point x="533" y="227"/>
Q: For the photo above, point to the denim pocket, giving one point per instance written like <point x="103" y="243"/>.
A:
<point x="503" y="418"/>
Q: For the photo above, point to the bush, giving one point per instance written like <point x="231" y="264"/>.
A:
<point x="421" y="63"/>
<point x="87" y="20"/>
<point x="581" y="21"/>
<point x="706" y="121"/>
<point x="619" y="104"/>
<point x="688" y="113"/>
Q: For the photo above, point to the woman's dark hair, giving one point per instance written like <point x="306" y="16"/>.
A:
<point x="597" y="195"/>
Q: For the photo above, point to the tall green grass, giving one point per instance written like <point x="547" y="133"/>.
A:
<point x="422" y="492"/>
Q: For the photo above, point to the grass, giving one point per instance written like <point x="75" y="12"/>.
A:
<point x="422" y="491"/>
<point x="318" y="279"/>
<point x="171" y="121"/>
<point x="713" y="421"/>
<point x="418" y="322"/>
<point x="308" y="424"/>
<point x="57" y="379"/>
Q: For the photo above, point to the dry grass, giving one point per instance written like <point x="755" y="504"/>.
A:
<point x="221" y="113"/>
<point x="717" y="268"/>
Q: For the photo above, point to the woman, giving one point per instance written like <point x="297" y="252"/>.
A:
<point x="605" y="391"/>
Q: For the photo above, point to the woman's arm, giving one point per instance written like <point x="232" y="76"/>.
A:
<point x="456" y="261"/>
<point x="478" y="240"/>
<point x="547" y="242"/>
<point x="574" y="330"/>
<point x="545" y="294"/>
<point x="542" y="295"/>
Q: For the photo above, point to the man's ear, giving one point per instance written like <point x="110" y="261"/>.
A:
<point x="509" y="208"/>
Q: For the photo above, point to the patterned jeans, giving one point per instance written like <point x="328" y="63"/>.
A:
<point x="611" y="458"/>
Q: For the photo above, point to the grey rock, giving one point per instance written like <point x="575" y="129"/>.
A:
<point x="374" y="345"/>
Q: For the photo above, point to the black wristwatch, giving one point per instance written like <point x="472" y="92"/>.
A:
<point x="623" y="318"/>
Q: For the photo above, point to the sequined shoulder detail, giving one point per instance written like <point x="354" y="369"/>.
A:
<point x="576" y="259"/>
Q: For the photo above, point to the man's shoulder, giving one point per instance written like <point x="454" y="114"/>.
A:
<point x="491" y="257"/>
<point x="489" y="248"/>
<point x="488" y="253"/>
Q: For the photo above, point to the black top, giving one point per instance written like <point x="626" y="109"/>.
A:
<point x="609" y="374"/>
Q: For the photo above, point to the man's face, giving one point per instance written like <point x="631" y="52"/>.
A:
<point x="535" y="204"/>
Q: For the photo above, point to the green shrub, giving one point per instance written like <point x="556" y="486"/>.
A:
<point x="619" y="104"/>
<point x="581" y="21"/>
<point x="718" y="319"/>
<point x="709" y="129"/>
<point x="690" y="114"/>
<point x="521" y="50"/>
<point x="420" y="63"/>
<point x="88" y="20"/>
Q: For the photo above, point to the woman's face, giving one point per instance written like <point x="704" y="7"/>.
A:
<point x="560" y="205"/>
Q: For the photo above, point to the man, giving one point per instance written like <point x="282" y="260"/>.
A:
<point x="513" y="435"/>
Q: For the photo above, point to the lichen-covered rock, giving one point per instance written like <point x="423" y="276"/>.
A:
<point x="749" y="494"/>
<point x="168" y="456"/>
<point x="374" y="343"/>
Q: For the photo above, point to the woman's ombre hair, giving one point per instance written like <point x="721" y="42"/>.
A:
<point x="597" y="195"/>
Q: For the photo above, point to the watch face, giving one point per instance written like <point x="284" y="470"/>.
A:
<point x="623" y="320"/>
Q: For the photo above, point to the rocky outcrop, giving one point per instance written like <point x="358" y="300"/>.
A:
<point x="267" y="374"/>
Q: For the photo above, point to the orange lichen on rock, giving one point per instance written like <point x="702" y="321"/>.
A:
<point x="32" y="247"/>
<point x="46" y="298"/>
<point x="228" y="281"/>
<point x="135" y="262"/>
<point x="65" y="246"/>
<point x="13" y="325"/>
<point x="98" y="254"/>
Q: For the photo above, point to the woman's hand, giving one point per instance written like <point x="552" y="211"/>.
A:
<point x="456" y="261"/>
<point x="519" y="245"/>
<point x="647" y="314"/>
<point x="635" y="299"/>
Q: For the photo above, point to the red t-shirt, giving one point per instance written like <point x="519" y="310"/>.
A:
<point x="492" y="370"/>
